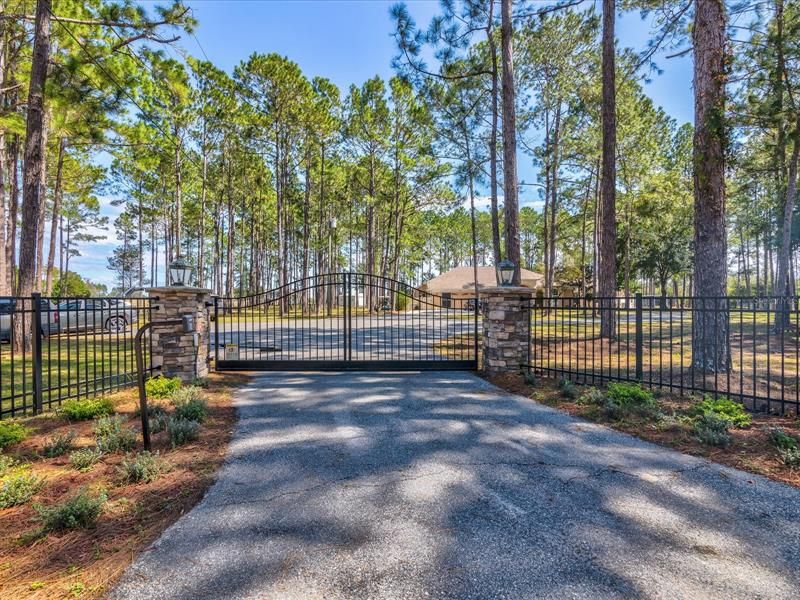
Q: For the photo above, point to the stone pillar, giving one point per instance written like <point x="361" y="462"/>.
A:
<point x="505" y="328"/>
<point x="181" y="354"/>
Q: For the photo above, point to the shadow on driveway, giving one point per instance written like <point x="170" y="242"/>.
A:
<point x="411" y="485"/>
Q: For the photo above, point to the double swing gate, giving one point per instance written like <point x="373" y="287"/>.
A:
<point x="345" y="321"/>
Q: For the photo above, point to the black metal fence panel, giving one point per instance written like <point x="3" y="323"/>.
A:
<point x="744" y="348"/>
<point x="53" y="349"/>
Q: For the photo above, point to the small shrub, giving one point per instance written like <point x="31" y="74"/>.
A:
<point x="58" y="445"/>
<point x="12" y="433"/>
<point x="790" y="457"/>
<point x="17" y="488"/>
<point x="592" y="396"/>
<point x="782" y="440"/>
<point x="675" y="423"/>
<point x="112" y="435"/>
<point x="629" y="393"/>
<point x="144" y="468"/>
<point x="83" y="409"/>
<point x="189" y="404"/>
<point x="182" y="431"/>
<point x="153" y="408"/>
<point x="82" y="510"/>
<point x="6" y="464"/>
<point x="568" y="389"/>
<point x="158" y="422"/>
<point x="624" y="400"/>
<point x="726" y="408"/>
<point x="712" y="430"/>
<point x="85" y="458"/>
<point x="529" y="377"/>
<point x="161" y="387"/>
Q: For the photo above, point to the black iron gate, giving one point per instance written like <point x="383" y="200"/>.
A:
<point x="345" y="321"/>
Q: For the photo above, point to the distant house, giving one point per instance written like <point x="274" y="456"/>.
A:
<point x="459" y="283"/>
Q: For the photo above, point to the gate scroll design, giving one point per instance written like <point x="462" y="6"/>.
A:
<point x="345" y="321"/>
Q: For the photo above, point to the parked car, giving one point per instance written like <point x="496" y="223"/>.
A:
<point x="10" y="311"/>
<point x="86" y="314"/>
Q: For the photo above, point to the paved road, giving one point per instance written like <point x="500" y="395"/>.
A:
<point x="414" y="335"/>
<point x="440" y="485"/>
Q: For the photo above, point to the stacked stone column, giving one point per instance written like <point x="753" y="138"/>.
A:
<point x="505" y="328"/>
<point x="178" y="353"/>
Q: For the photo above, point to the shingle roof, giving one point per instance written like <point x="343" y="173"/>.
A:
<point x="462" y="279"/>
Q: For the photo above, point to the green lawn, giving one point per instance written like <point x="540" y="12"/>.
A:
<point x="763" y="363"/>
<point x="71" y="366"/>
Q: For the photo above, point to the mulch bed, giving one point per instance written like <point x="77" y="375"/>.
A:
<point x="86" y="562"/>
<point x="749" y="451"/>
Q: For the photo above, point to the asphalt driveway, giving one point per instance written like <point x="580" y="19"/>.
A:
<point x="364" y="485"/>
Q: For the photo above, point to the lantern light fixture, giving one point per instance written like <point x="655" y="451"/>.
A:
<point x="505" y="272"/>
<point x="180" y="272"/>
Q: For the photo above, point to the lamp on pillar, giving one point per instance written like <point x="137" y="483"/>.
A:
<point x="180" y="272"/>
<point x="505" y="272"/>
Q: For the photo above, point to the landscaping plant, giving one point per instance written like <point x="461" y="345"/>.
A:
<point x="712" y="430"/>
<point x="592" y="396"/>
<point x="158" y="422"/>
<point x="11" y="433"/>
<point x="722" y="407"/>
<point x="568" y="389"/>
<point x="625" y="400"/>
<point x="18" y="487"/>
<point x="82" y="510"/>
<point x="189" y="404"/>
<point x="58" y="445"/>
<point x="6" y="464"/>
<point x="85" y="458"/>
<point x="82" y="409"/>
<point x="142" y="468"/>
<point x="182" y="431"/>
<point x="161" y="387"/>
<point x="112" y="435"/>
<point x="787" y="447"/>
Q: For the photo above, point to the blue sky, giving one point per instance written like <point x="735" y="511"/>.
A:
<point x="349" y="41"/>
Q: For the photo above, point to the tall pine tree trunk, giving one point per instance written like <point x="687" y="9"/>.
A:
<point x="57" y="193"/>
<point x="13" y="212"/>
<point x="4" y="266"/>
<point x="710" y="343"/>
<point x="782" y="280"/>
<point x="35" y="152"/>
<point x="495" y="94"/>
<point x="510" y="185"/>
<point x="607" y="230"/>
<point x="201" y="242"/>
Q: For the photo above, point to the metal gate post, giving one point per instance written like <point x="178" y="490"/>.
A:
<point x="216" y="332"/>
<point x="639" y="338"/>
<point x="477" y="313"/>
<point x="348" y="303"/>
<point x="36" y="349"/>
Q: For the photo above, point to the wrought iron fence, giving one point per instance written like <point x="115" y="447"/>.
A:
<point x="54" y="349"/>
<point x="744" y="348"/>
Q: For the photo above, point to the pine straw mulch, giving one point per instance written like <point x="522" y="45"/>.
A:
<point x="85" y="563"/>
<point x="749" y="451"/>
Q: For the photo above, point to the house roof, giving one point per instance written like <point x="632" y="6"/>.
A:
<point x="462" y="279"/>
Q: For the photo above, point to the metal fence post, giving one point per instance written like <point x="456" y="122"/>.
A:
<point x="36" y="349"/>
<point x="639" y="337"/>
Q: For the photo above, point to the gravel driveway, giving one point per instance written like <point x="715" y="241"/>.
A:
<point x="357" y="485"/>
